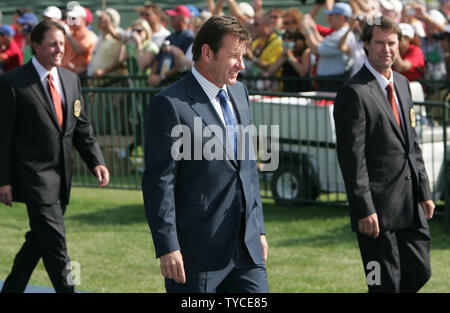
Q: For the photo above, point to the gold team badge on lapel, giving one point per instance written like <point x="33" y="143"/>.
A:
<point x="77" y="108"/>
<point x="412" y="116"/>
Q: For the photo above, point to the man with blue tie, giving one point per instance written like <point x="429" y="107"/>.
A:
<point x="206" y="215"/>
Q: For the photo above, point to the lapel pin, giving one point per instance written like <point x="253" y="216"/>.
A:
<point x="412" y="116"/>
<point x="77" y="108"/>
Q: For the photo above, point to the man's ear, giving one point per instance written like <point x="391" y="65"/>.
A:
<point x="35" y="46"/>
<point x="207" y="53"/>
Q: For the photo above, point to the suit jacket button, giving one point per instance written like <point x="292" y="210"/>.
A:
<point x="408" y="177"/>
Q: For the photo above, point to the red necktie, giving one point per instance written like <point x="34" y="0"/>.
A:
<point x="391" y="98"/>
<point x="56" y="97"/>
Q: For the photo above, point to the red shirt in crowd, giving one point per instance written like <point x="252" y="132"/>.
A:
<point x="414" y="55"/>
<point x="19" y="38"/>
<point x="323" y="30"/>
<point x="12" y="56"/>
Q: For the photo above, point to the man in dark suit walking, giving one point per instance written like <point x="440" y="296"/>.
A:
<point x="41" y="116"/>
<point x="205" y="214"/>
<point x="383" y="168"/>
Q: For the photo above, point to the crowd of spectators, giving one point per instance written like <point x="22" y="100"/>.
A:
<point x="288" y="44"/>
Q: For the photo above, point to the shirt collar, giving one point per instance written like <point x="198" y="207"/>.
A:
<point x="210" y="89"/>
<point x="42" y="71"/>
<point x="382" y="81"/>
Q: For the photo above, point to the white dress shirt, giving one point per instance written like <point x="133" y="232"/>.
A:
<point x="43" y="73"/>
<point x="384" y="82"/>
<point x="211" y="91"/>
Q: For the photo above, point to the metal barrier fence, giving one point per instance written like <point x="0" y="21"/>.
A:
<point x="307" y="171"/>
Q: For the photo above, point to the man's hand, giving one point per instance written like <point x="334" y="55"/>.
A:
<point x="265" y="247"/>
<point x="172" y="266"/>
<point x="428" y="207"/>
<point x="6" y="195"/>
<point x="369" y="226"/>
<point x="154" y="80"/>
<point x="102" y="174"/>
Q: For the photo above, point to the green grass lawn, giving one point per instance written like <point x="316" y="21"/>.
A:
<point x="312" y="248"/>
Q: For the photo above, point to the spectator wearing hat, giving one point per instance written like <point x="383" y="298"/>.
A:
<point x="183" y="61"/>
<point x="153" y="14"/>
<point x="80" y="41"/>
<point x="10" y="54"/>
<point x="17" y="14"/>
<point x="410" y="62"/>
<point x="52" y="13"/>
<point x="27" y="22"/>
<point x="27" y="51"/>
<point x="164" y="65"/>
<point x="104" y="57"/>
<point x="194" y="14"/>
<point x="334" y="65"/>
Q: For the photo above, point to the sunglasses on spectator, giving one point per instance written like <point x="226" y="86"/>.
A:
<point x="138" y="30"/>
<point x="274" y="17"/>
<point x="289" y="22"/>
<point x="145" y="14"/>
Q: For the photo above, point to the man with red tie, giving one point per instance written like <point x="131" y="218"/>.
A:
<point x="42" y="116"/>
<point x="383" y="168"/>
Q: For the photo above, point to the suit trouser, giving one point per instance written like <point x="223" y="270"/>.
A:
<point x="46" y="239"/>
<point x="241" y="275"/>
<point x="403" y="257"/>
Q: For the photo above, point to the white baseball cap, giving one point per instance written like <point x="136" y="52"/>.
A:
<point x="113" y="15"/>
<point x="392" y="5"/>
<point x="437" y="16"/>
<point x="407" y="30"/>
<point x="247" y="9"/>
<point x="52" y="12"/>
<point x="77" y="11"/>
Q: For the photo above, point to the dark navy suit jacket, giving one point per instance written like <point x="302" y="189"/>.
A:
<point x="191" y="203"/>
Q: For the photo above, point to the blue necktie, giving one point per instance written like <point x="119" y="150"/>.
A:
<point x="230" y="120"/>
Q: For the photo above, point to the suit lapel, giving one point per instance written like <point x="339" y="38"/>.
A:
<point x="379" y="97"/>
<point x="203" y="107"/>
<point x="68" y="107"/>
<point x="241" y="109"/>
<point x="36" y="86"/>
